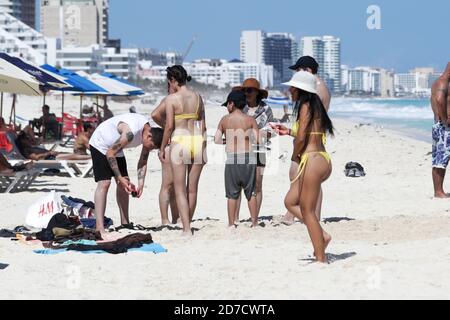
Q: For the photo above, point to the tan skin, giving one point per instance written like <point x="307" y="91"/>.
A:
<point x="124" y="185"/>
<point x="238" y="129"/>
<point x="184" y="168"/>
<point x="324" y="94"/>
<point x="303" y="195"/>
<point x="167" y="192"/>
<point x="82" y="142"/>
<point x="40" y="156"/>
<point x="440" y="102"/>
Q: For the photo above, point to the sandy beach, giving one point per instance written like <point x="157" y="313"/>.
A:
<point x="390" y="237"/>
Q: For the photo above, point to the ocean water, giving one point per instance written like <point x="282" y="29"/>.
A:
<point x="413" y="117"/>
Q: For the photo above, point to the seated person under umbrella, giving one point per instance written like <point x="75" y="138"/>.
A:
<point x="49" y="124"/>
<point x="33" y="152"/>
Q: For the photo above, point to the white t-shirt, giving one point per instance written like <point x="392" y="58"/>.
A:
<point x="107" y="133"/>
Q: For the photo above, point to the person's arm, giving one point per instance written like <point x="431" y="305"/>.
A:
<point x="41" y="156"/>
<point x="159" y="114"/>
<point x="168" y="128"/>
<point x="202" y="115"/>
<point x="86" y="142"/>
<point x="101" y="107"/>
<point x="256" y="132"/>
<point x="218" y="138"/>
<point x="441" y="100"/>
<point x="301" y="139"/>
<point x="142" y="170"/>
<point x="126" y="136"/>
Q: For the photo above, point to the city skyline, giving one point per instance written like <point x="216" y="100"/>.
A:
<point x="410" y="44"/>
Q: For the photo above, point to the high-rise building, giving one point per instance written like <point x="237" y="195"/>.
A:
<point x="24" y="10"/>
<point x="10" y="6"/>
<point x="314" y="47"/>
<point x="279" y="50"/>
<point x="367" y="81"/>
<point x="332" y="62"/>
<point x="98" y="59"/>
<point x="75" y="22"/>
<point x="19" y="39"/>
<point x="28" y="12"/>
<point x="252" y="46"/>
<point x="327" y="51"/>
<point x="418" y="81"/>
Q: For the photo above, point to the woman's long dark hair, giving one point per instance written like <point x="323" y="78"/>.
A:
<point x="179" y="74"/>
<point x="317" y="110"/>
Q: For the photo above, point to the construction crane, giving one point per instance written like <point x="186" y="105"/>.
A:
<point x="189" y="48"/>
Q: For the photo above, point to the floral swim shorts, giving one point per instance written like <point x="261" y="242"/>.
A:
<point x="441" y="146"/>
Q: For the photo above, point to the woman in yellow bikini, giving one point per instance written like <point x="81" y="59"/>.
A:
<point x="315" y="167"/>
<point x="185" y="131"/>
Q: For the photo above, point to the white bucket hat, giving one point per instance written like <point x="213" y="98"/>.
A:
<point x="303" y="80"/>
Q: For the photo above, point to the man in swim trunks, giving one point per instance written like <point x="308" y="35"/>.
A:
<point x="107" y="144"/>
<point x="440" y="103"/>
<point x="241" y="166"/>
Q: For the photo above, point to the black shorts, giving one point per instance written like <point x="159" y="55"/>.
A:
<point x="102" y="170"/>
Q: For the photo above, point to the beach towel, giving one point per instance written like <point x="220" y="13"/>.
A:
<point x="148" y="248"/>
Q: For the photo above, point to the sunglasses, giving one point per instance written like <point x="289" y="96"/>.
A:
<point x="250" y="90"/>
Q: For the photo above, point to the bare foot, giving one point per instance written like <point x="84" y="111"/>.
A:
<point x="441" y="195"/>
<point x="327" y="239"/>
<point x="165" y="223"/>
<point x="288" y="219"/>
<point x="326" y="242"/>
<point x="187" y="234"/>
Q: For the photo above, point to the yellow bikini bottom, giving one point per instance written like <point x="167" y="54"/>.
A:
<point x="191" y="144"/>
<point x="304" y="160"/>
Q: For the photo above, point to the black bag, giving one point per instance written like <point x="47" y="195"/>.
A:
<point x="354" y="170"/>
<point x="59" y="220"/>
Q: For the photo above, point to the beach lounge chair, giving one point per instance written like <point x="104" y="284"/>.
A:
<point x="17" y="181"/>
<point x="74" y="168"/>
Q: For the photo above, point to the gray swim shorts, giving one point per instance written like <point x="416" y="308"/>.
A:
<point x="240" y="174"/>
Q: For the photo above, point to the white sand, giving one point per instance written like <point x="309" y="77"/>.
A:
<point x="396" y="248"/>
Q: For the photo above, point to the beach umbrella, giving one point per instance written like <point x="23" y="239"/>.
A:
<point x="15" y="80"/>
<point x="48" y="80"/>
<point x="79" y="84"/>
<point x="112" y="87"/>
<point x="130" y="88"/>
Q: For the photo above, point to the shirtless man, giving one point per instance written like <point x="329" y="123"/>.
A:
<point x="106" y="145"/>
<point x="440" y="102"/>
<point x="309" y="64"/>
<point x="241" y="165"/>
<point x="82" y="141"/>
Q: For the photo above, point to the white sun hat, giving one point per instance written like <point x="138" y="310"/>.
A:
<point x="303" y="80"/>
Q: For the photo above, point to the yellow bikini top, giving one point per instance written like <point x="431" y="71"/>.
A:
<point x="294" y="132"/>
<point x="188" y="116"/>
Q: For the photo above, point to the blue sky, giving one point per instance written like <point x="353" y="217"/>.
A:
<point x="414" y="33"/>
